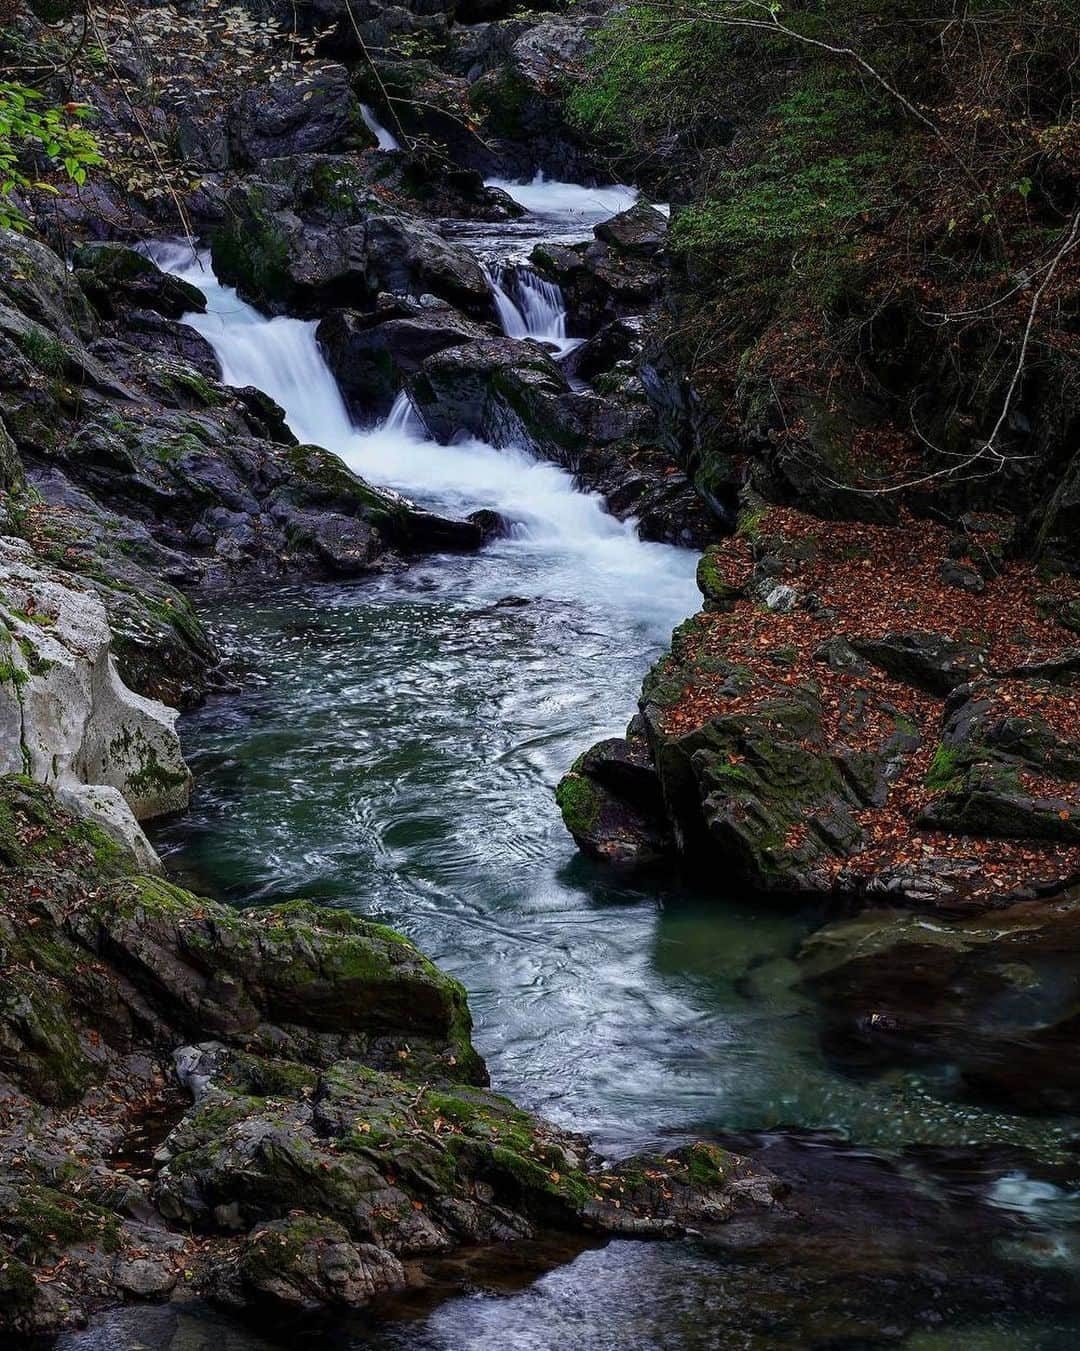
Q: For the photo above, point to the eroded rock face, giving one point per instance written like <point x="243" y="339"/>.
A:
<point x="817" y="732"/>
<point x="284" y="262"/>
<point x="67" y="718"/>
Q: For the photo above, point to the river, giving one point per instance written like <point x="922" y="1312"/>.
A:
<point x="394" y="749"/>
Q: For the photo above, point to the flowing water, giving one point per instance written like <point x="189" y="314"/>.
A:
<point x="386" y="140"/>
<point x="394" y="749"/>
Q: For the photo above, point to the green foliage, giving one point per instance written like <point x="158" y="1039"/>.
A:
<point x="825" y="165"/>
<point x="648" y="72"/>
<point x="32" y="130"/>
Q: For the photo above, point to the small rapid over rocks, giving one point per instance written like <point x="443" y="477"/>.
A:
<point x="560" y="542"/>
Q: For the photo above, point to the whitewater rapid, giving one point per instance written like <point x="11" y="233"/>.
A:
<point x="562" y="543"/>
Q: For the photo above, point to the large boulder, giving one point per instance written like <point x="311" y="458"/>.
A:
<point x="612" y="804"/>
<point x="991" y="995"/>
<point x="524" y="128"/>
<point x="116" y="278"/>
<point x="500" y="390"/>
<point x="617" y="275"/>
<point x="68" y="720"/>
<point x="284" y="263"/>
<point x="309" y="110"/>
<point x="372" y="354"/>
<point x="1009" y="760"/>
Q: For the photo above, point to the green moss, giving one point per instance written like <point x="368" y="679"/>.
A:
<point x="252" y="252"/>
<point x="34" y="831"/>
<point x="946" y="770"/>
<point x="42" y="1222"/>
<point x="501" y="98"/>
<point x="580" y="802"/>
<point x="751" y="519"/>
<point x="18" y="1289"/>
<point x="323" y="470"/>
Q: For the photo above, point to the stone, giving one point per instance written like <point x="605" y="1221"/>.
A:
<point x="927" y="660"/>
<point x="314" y="111"/>
<point x="305" y="1263"/>
<point x="372" y="355"/>
<point x="116" y="278"/>
<point x="145" y="1277"/>
<point x="612" y="805"/>
<point x="71" y="721"/>
<point x="501" y="390"/>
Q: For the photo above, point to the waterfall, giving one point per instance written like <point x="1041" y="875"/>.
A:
<point x="539" y="311"/>
<point x="386" y="139"/>
<point x="563" y="542"/>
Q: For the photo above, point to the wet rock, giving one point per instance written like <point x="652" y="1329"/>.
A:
<point x="600" y="281"/>
<point x="804" y="754"/>
<point x="372" y="355"/>
<point x="991" y="995"/>
<point x="640" y="231"/>
<point x="523" y="128"/>
<point x="620" y="340"/>
<point x="302" y="1264"/>
<point x="418" y="1169"/>
<point x="492" y="525"/>
<point x="501" y="390"/>
<point x="116" y="278"/>
<point x="145" y="1278"/>
<point x="282" y="262"/>
<point x="612" y="805"/>
<point x="313" y="111"/>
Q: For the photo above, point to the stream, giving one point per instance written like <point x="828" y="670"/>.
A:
<point x="394" y="749"/>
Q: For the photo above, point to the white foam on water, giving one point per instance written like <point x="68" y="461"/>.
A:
<point x="547" y="197"/>
<point x="539" y="311"/>
<point x="386" y="139"/>
<point x="563" y="543"/>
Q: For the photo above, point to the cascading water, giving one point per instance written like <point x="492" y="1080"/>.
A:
<point x="562" y="542"/>
<point x="539" y="311"/>
<point x="546" y="197"/>
<point x="386" y="139"/>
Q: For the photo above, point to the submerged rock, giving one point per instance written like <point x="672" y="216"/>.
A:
<point x="992" y="995"/>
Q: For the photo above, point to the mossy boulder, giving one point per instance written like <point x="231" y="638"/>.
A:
<point x="612" y="804"/>
<point x="116" y="277"/>
<point x="304" y="1263"/>
<point x="414" y="1167"/>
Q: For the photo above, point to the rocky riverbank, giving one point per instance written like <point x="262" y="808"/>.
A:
<point x="279" y="1109"/>
<point x="282" y="1109"/>
<point x="309" y="1109"/>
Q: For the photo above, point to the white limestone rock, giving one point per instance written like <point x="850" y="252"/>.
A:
<point x="66" y="717"/>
